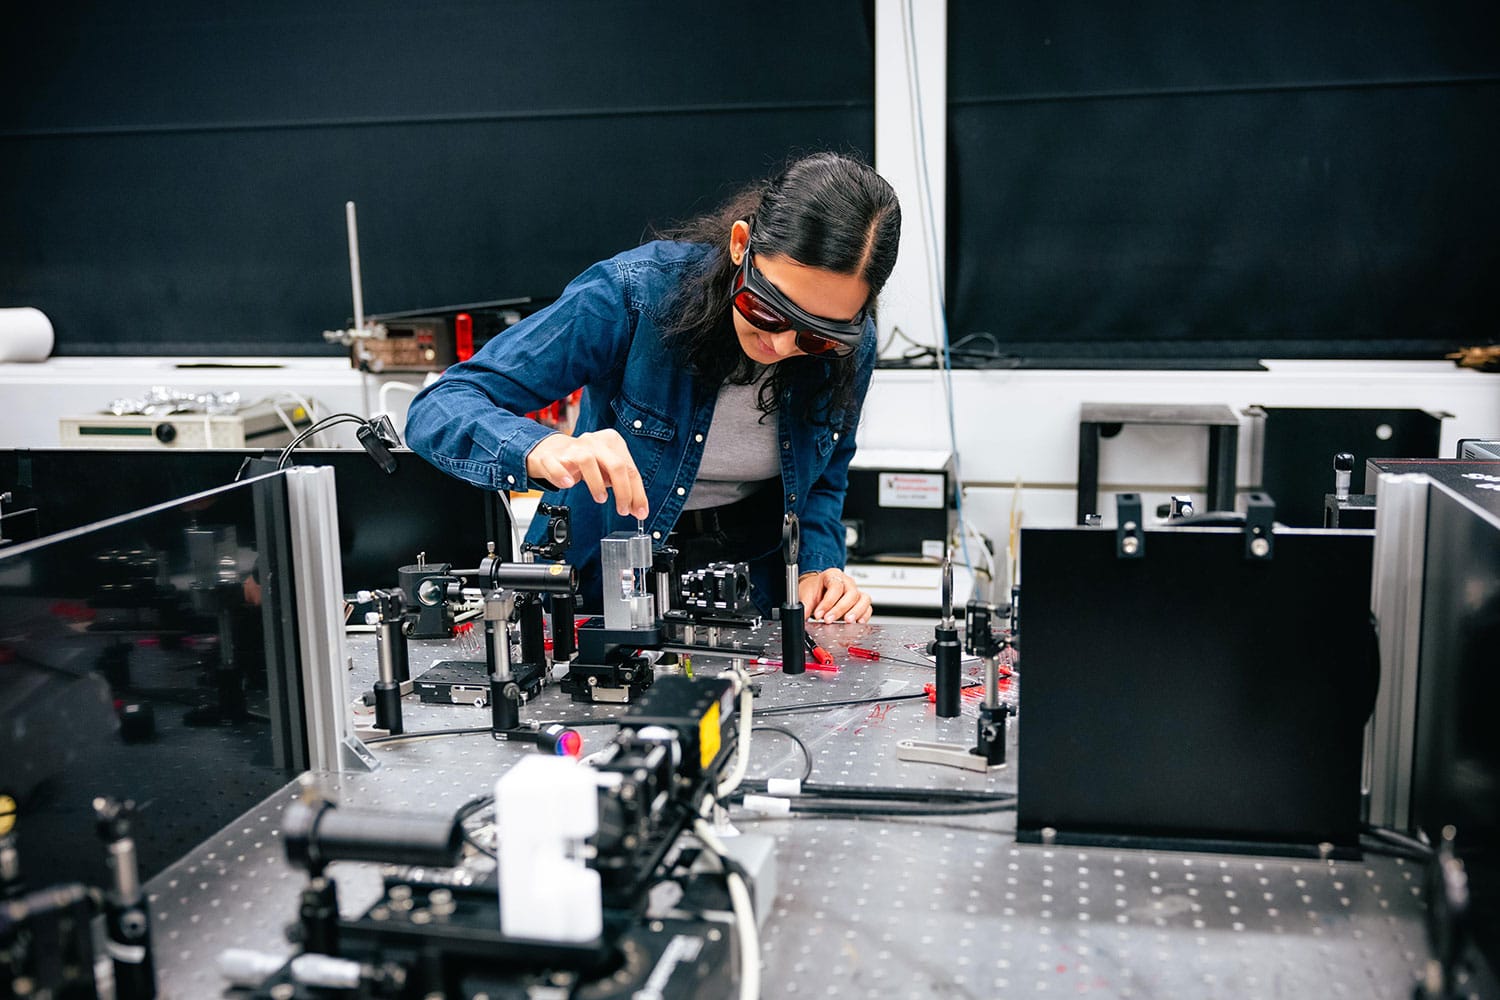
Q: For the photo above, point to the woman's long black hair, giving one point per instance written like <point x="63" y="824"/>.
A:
<point x="825" y="211"/>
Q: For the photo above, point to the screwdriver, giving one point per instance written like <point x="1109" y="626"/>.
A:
<point x="819" y="654"/>
<point x="826" y="668"/>
<point x="861" y="653"/>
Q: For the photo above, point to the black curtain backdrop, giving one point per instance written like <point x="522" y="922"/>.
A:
<point x="1146" y="181"/>
<point x="1170" y="180"/>
<point x="173" y="176"/>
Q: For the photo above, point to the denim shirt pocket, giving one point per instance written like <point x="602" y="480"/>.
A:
<point x="823" y="442"/>
<point x="646" y="431"/>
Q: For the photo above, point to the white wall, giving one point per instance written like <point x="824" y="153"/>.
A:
<point x="911" y="76"/>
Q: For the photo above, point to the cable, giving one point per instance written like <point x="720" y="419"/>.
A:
<point x="989" y="558"/>
<point x="899" y="809"/>
<point x="286" y="421"/>
<point x="405" y="737"/>
<point x="430" y="733"/>
<point x="928" y="216"/>
<point x="744" y="913"/>
<point x="1013" y="545"/>
<point x="806" y="753"/>
<point x="742" y="753"/>
<point x="819" y="706"/>
<point x="1396" y="838"/>
<point x="894" y="793"/>
<point x="995" y="349"/>
<point x="380" y="397"/>
<point x="309" y="405"/>
<point x="1374" y="845"/>
<point x="329" y="421"/>
<point x="927" y="356"/>
<point x="510" y="524"/>
<point x="276" y="400"/>
<point x="896" y="331"/>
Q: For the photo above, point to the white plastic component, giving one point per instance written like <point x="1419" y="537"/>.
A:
<point x="767" y="805"/>
<point x="243" y="967"/>
<point x="784" y="786"/>
<point x="545" y="808"/>
<point x="325" y="971"/>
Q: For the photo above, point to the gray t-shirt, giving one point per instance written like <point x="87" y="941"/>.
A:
<point x="740" y="453"/>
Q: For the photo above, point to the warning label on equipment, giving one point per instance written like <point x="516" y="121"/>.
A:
<point x="911" y="489"/>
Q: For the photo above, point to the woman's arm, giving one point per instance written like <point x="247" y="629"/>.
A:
<point x="825" y="589"/>
<point x="471" y="423"/>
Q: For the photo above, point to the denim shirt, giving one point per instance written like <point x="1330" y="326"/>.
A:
<point x="604" y="334"/>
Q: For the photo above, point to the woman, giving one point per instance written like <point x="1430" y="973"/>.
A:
<point x="723" y="371"/>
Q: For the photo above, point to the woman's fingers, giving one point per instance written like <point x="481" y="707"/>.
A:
<point x="599" y="459"/>
<point x="624" y="477"/>
<point x="832" y="595"/>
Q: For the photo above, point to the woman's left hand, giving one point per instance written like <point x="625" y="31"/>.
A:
<point x="832" y="595"/>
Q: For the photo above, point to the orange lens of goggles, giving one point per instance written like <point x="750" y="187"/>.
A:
<point x="761" y="313"/>
<point x="766" y="317"/>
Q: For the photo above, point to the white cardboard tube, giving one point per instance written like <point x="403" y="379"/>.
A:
<point x="25" y="335"/>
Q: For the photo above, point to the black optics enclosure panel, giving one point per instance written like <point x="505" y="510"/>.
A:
<point x="150" y="657"/>
<point x="1192" y="695"/>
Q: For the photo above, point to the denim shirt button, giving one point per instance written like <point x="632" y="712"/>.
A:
<point x="656" y="535"/>
<point x="698" y="438"/>
<point x="511" y="480"/>
<point x="785" y="445"/>
<point x="835" y="435"/>
<point x="682" y="491"/>
<point x="793" y="498"/>
<point x="638" y="425"/>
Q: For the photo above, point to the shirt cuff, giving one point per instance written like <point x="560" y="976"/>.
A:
<point x="510" y="471"/>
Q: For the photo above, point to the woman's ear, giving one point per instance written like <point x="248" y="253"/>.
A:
<point x="739" y="238"/>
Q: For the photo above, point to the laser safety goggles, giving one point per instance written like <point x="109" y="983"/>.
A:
<point x="765" y="308"/>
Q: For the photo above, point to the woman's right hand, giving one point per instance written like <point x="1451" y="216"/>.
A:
<point x="600" y="459"/>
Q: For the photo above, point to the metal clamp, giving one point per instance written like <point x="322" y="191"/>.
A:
<point x="1130" y="536"/>
<point x="1260" y="534"/>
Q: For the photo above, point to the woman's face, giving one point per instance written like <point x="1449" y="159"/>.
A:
<point x="814" y="290"/>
